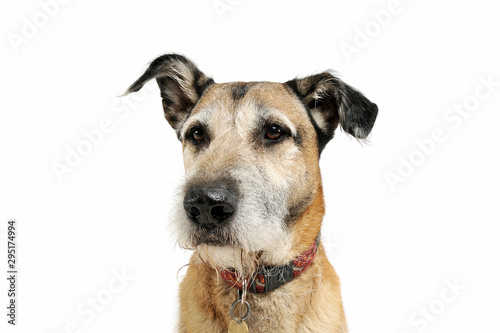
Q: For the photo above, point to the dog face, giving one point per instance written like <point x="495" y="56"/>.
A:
<point x="251" y="152"/>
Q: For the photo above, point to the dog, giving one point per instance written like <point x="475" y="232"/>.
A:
<point x="251" y="204"/>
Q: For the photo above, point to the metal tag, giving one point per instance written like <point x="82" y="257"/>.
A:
<point x="234" y="327"/>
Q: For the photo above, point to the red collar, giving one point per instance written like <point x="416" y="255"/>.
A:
<point x="269" y="278"/>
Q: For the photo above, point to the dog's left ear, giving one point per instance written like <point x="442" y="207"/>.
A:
<point x="330" y="101"/>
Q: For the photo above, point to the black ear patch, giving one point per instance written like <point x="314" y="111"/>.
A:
<point x="181" y="84"/>
<point x="330" y="101"/>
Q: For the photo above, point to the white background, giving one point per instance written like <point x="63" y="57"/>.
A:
<point x="396" y="249"/>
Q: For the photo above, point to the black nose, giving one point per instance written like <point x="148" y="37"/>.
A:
<point x="209" y="207"/>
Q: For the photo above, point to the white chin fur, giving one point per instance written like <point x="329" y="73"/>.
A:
<point x="232" y="257"/>
<point x="227" y="257"/>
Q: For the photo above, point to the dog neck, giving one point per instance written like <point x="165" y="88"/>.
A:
<point x="269" y="278"/>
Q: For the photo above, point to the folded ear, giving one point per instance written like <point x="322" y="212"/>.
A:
<point x="330" y="101"/>
<point x="181" y="84"/>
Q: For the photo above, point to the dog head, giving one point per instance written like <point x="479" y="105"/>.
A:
<point x="252" y="192"/>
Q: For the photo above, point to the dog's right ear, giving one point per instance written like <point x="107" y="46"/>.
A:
<point x="181" y="85"/>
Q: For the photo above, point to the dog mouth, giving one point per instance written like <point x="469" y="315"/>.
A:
<point x="213" y="237"/>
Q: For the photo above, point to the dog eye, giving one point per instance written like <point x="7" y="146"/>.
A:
<point x="273" y="132"/>
<point x="197" y="134"/>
